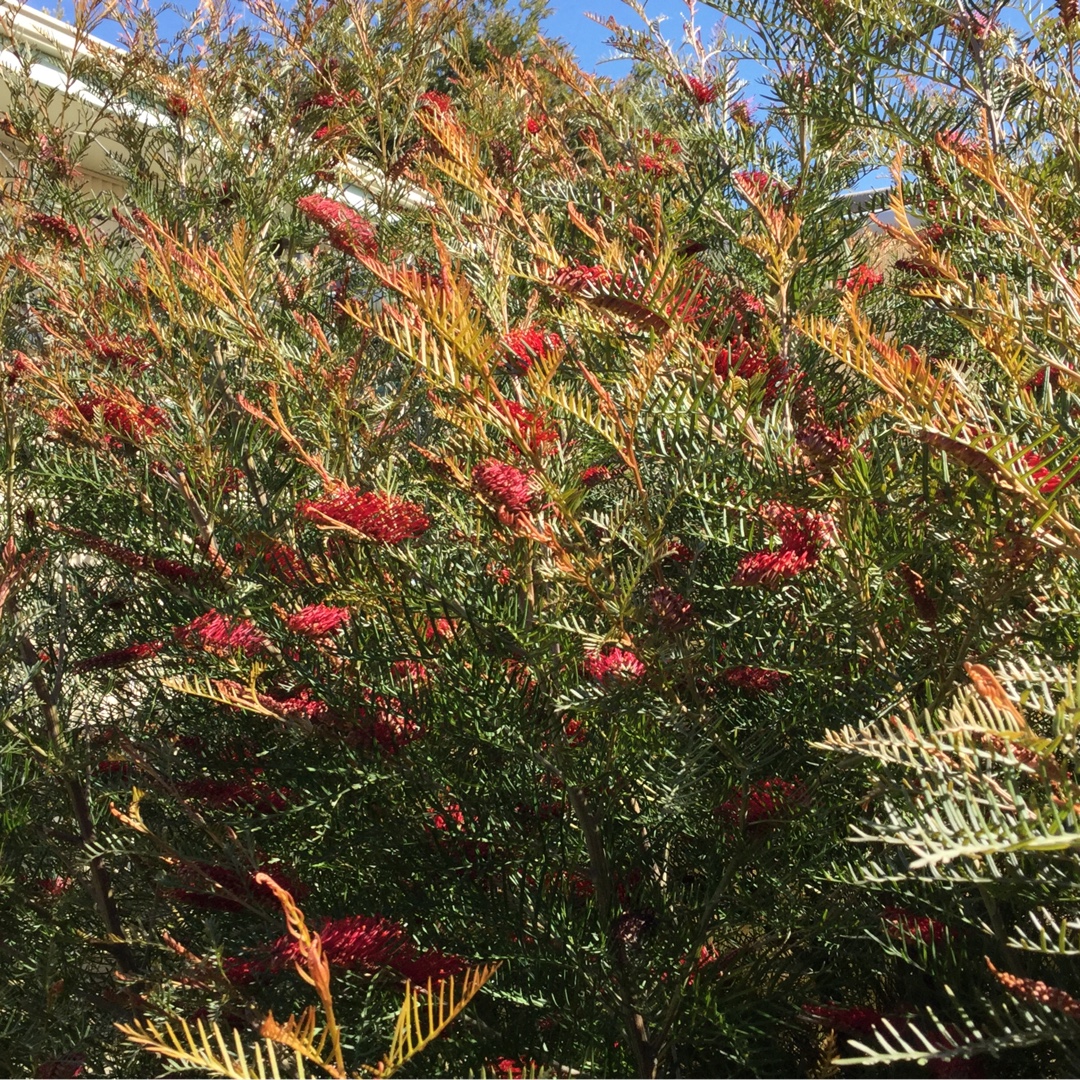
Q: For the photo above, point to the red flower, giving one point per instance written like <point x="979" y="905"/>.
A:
<point x="672" y="611"/>
<point x="755" y="680"/>
<point x="224" y="794"/>
<point x="130" y="654"/>
<point x="577" y="734"/>
<point x="756" y="182"/>
<point x="770" y="567"/>
<point x="661" y="143"/>
<point x="285" y="564"/>
<point x="452" y="813"/>
<point x="300" y="706"/>
<point x="56" y="227"/>
<point x="740" y="113"/>
<point x="916" y="588"/>
<point x="511" y="1068"/>
<point x="177" y="105"/>
<point x="317" y="620"/>
<point x="439" y="629"/>
<point x="383" y="724"/>
<point x="68" y="1067"/>
<point x="134" y="421"/>
<point x="1032" y="461"/>
<point x="857" y="1020"/>
<point x="19" y="366"/>
<point x="597" y="474"/>
<point x="354" y="943"/>
<point x="803" y="534"/>
<point x="679" y="553"/>
<point x="533" y="428"/>
<point x="53" y="887"/>
<point x="530" y="343"/>
<point x="507" y="488"/>
<point x="347" y="230"/>
<point x="169" y="569"/>
<point x="220" y="635"/>
<point x="503" y="575"/>
<point x="613" y="664"/>
<point x="123" y="352"/>
<point x="764" y="802"/>
<point x="740" y="357"/>
<point x="434" y="101"/>
<point x="582" y="279"/>
<point x="743" y="307"/>
<point x="329" y="101"/>
<point x="861" y="279"/>
<point x="704" y="93"/>
<point x="535" y="124"/>
<point x="825" y="447"/>
<point x="648" y="164"/>
<point x="901" y="924"/>
<point x="374" y="514"/>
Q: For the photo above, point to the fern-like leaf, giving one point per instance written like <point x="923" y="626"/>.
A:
<point x="207" y="1049"/>
<point x="420" y="1023"/>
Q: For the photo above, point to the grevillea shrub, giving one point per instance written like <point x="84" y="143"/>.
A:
<point x="523" y="519"/>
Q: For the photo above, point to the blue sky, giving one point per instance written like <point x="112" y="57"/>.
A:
<point x="568" y="21"/>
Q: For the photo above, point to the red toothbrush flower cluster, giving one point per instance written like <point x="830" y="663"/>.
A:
<point x="754" y="680"/>
<point x="853" y="1020"/>
<point x="612" y="665"/>
<point x="169" y="569"/>
<point x="503" y="485"/>
<point x="1041" y="476"/>
<point x="124" y="352"/>
<point x="347" y="230"/>
<point x="744" y="309"/>
<point x="861" y="279"/>
<point x="535" y="124"/>
<point x="56" y="227"/>
<point x="317" y="620"/>
<point x="704" y="92"/>
<point x="901" y="924"/>
<point x="177" y="105"/>
<point x="230" y="794"/>
<point x="383" y="724"/>
<point x="133" y="420"/>
<point x="826" y="447"/>
<point x="764" y="802"/>
<point x="760" y="184"/>
<point x="298" y="705"/>
<point x="285" y="563"/>
<point x="672" y="611"/>
<point x="221" y="888"/>
<point x="376" y="515"/>
<point x="129" y="654"/>
<point x="538" y="436"/>
<point x="679" y="553"/>
<point x="741" y="114"/>
<point x="582" y="279"/>
<point x="739" y="357"/>
<point x="435" y="102"/>
<point x="599" y="474"/>
<point x="528" y="344"/>
<point x="220" y="635"/>
<point x="333" y="100"/>
<point x="803" y="535"/>
<point x="355" y="943"/>
<point x="511" y="1068"/>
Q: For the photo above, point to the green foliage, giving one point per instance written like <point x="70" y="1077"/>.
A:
<point x="536" y="522"/>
